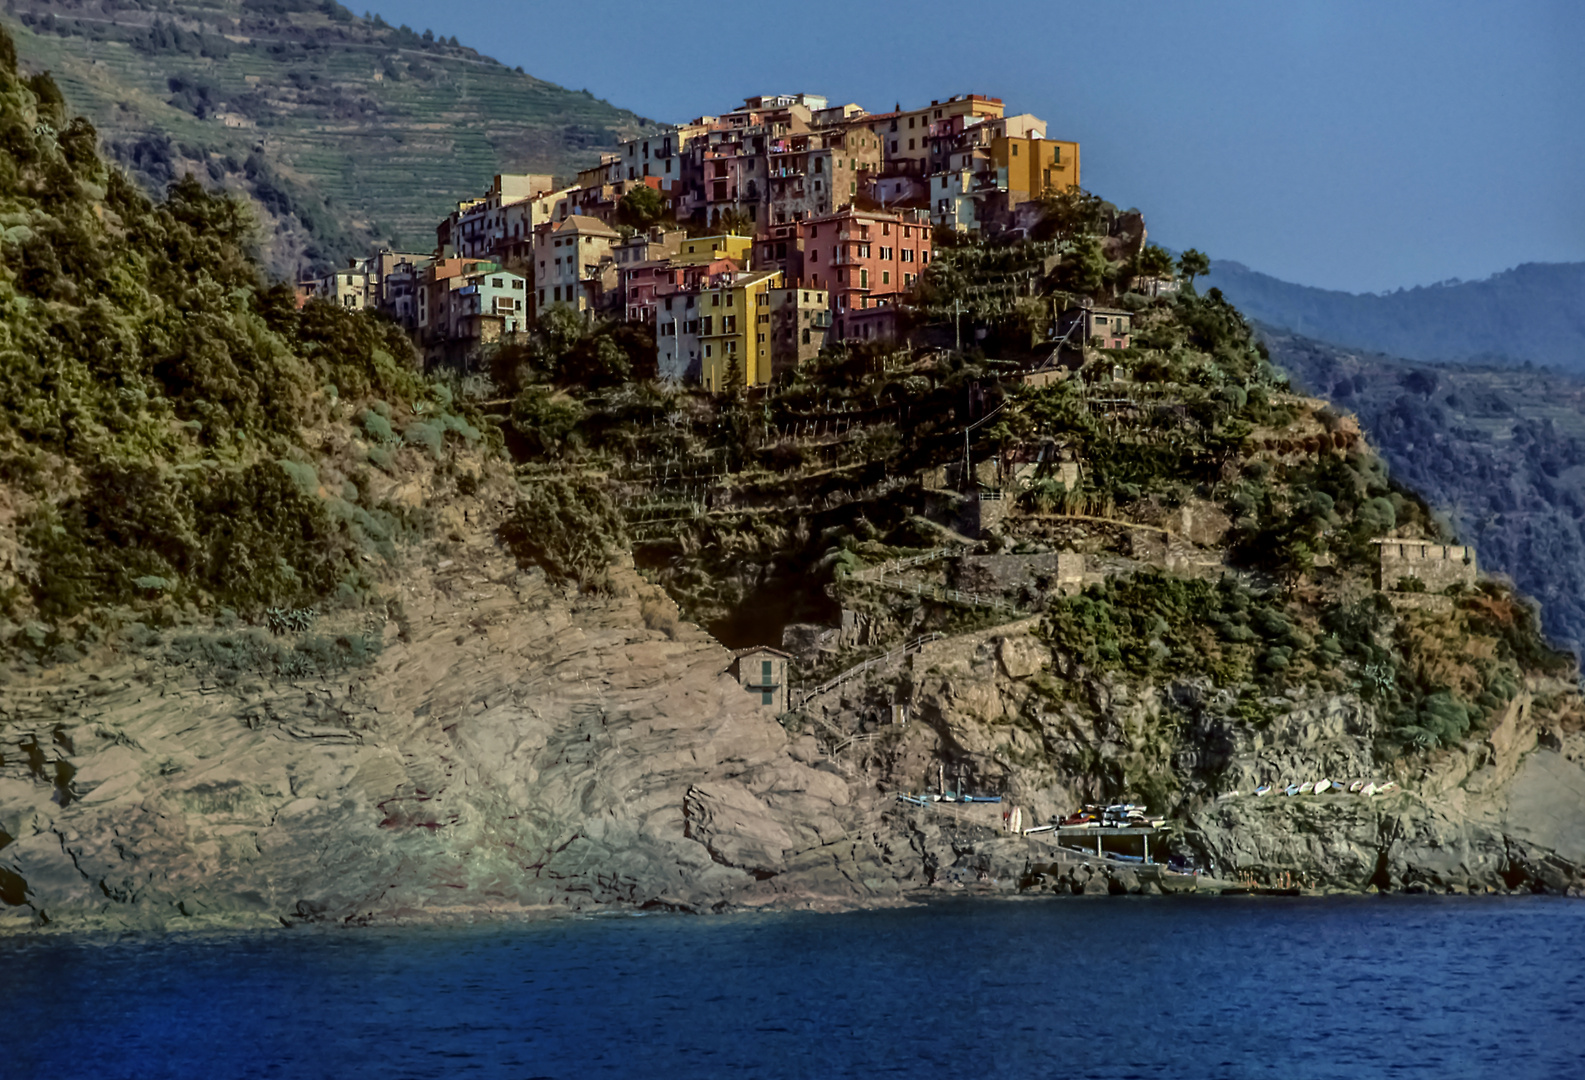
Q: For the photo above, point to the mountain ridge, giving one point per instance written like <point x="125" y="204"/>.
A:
<point x="1534" y="313"/>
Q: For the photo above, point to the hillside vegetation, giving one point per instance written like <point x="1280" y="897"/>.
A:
<point x="1502" y="448"/>
<point x="341" y="130"/>
<point x="178" y="443"/>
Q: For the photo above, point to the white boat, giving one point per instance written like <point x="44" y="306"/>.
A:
<point x="1370" y="788"/>
<point x="1356" y="786"/>
<point x="1322" y="786"/>
<point x="1224" y="796"/>
<point x="1263" y="789"/>
<point x="1390" y="785"/>
<point x="1306" y="787"/>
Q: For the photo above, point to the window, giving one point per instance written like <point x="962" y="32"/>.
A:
<point x="806" y="335"/>
<point x="715" y="299"/>
<point x="542" y="296"/>
<point x="729" y="324"/>
<point x="864" y="279"/>
<point x="894" y="146"/>
<point x="910" y="144"/>
<point x="886" y="277"/>
<point x="765" y="670"/>
<point x="499" y="283"/>
<point x="766" y="697"/>
<point x="761" y="338"/>
<point x="731" y="348"/>
<point x="707" y="348"/>
<point x="910" y="124"/>
<point x="708" y="321"/>
<point x="1015" y="149"/>
<point x="820" y="164"/>
<point x="558" y="294"/>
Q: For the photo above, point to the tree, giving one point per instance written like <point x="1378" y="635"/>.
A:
<point x="640" y="208"/>
<point x="1191" y="264"/>
<point x="1155" y="261"/>
<point x="1065" y="215"/>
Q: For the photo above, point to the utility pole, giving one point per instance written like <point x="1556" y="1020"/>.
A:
<point x="957" y="320"/>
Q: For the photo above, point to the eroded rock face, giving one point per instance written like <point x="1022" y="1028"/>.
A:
<point x="517" y="749"/>
<point x="513" y="748"/>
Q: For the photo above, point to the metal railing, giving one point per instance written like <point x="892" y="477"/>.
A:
<point x="853" y="672"/>
<point x="875" y="573"/>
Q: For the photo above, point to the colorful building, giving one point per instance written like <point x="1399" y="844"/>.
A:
<point x="573" y="264"/>
<point x="1030" y="166"/>
<point x="866" y="260"/>
<point x="731" y="335"/>
<point x="698" y="250"/>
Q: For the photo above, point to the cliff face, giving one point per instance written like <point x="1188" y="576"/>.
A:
<point x="513" y="748"/>
<point x="1502" y="811"/>
<point x="519" y="749"/>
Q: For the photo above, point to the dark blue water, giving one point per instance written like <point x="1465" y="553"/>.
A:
<point x="1233" y="988"/>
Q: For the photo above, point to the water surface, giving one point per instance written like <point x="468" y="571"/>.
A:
<point x="1398" y="987"/>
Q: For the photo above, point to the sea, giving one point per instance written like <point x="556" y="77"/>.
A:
<point x="1104" y="987"/>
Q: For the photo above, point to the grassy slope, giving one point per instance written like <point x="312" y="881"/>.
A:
<point x="376" y="137"/>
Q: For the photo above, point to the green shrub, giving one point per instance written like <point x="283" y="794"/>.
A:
<point x="428" y="436"/>
<point x="570" y="528"/>
<point x="376" y="425"/>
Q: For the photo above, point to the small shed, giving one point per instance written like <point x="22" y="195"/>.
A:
<point x="762" y="671"/>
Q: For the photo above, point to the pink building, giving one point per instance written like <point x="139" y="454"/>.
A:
<point x="866" y="260"/>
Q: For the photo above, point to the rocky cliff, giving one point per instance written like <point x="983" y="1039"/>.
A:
<point x="516" y="747"/>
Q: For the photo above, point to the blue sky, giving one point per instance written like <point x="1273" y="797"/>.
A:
<point x="1350" y="145"/>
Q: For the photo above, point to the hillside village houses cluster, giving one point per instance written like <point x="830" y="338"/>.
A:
<point x="841" y="204"/>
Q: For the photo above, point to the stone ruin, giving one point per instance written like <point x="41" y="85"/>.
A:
<point x="1436" y="565"/>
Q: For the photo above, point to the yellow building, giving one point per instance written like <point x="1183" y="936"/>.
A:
<point x="698" y="250"/>
<point x="1033" y="165"/>
<point x="735" y="328"/>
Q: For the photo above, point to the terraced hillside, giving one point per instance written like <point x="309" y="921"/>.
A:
<point x="342" y="130"/>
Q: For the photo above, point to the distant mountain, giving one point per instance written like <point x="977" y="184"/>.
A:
<point x="1502" y="449"/>
<point x="1534" y="312"/>
<point x="343" y="131"/>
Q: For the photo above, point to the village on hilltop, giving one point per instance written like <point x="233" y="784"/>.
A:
<point x="745" y="242"/>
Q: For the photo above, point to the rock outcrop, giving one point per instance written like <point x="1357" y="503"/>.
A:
<point x="515" y="747"/>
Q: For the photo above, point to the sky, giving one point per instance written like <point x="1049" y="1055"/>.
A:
<point x="1363" y="146"/>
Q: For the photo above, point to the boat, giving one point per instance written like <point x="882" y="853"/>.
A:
<point x="1306" y="787"/>
<point x="1337" y="785"/>
<point x="1355" y="787"/>
<point x="1390" y="785"/>
<point x="1263" y="789"/>
<point x="1293" y="789"/>
<point x="1370" y="788"/>
<point x="1322" y="786"/>
<point x="1224" y="796"/>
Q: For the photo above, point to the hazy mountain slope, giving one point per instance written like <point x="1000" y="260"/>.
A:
<point x="1504" y="448"/>
<point x="341" y="129"/>
<point x="1534" y="312"/>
